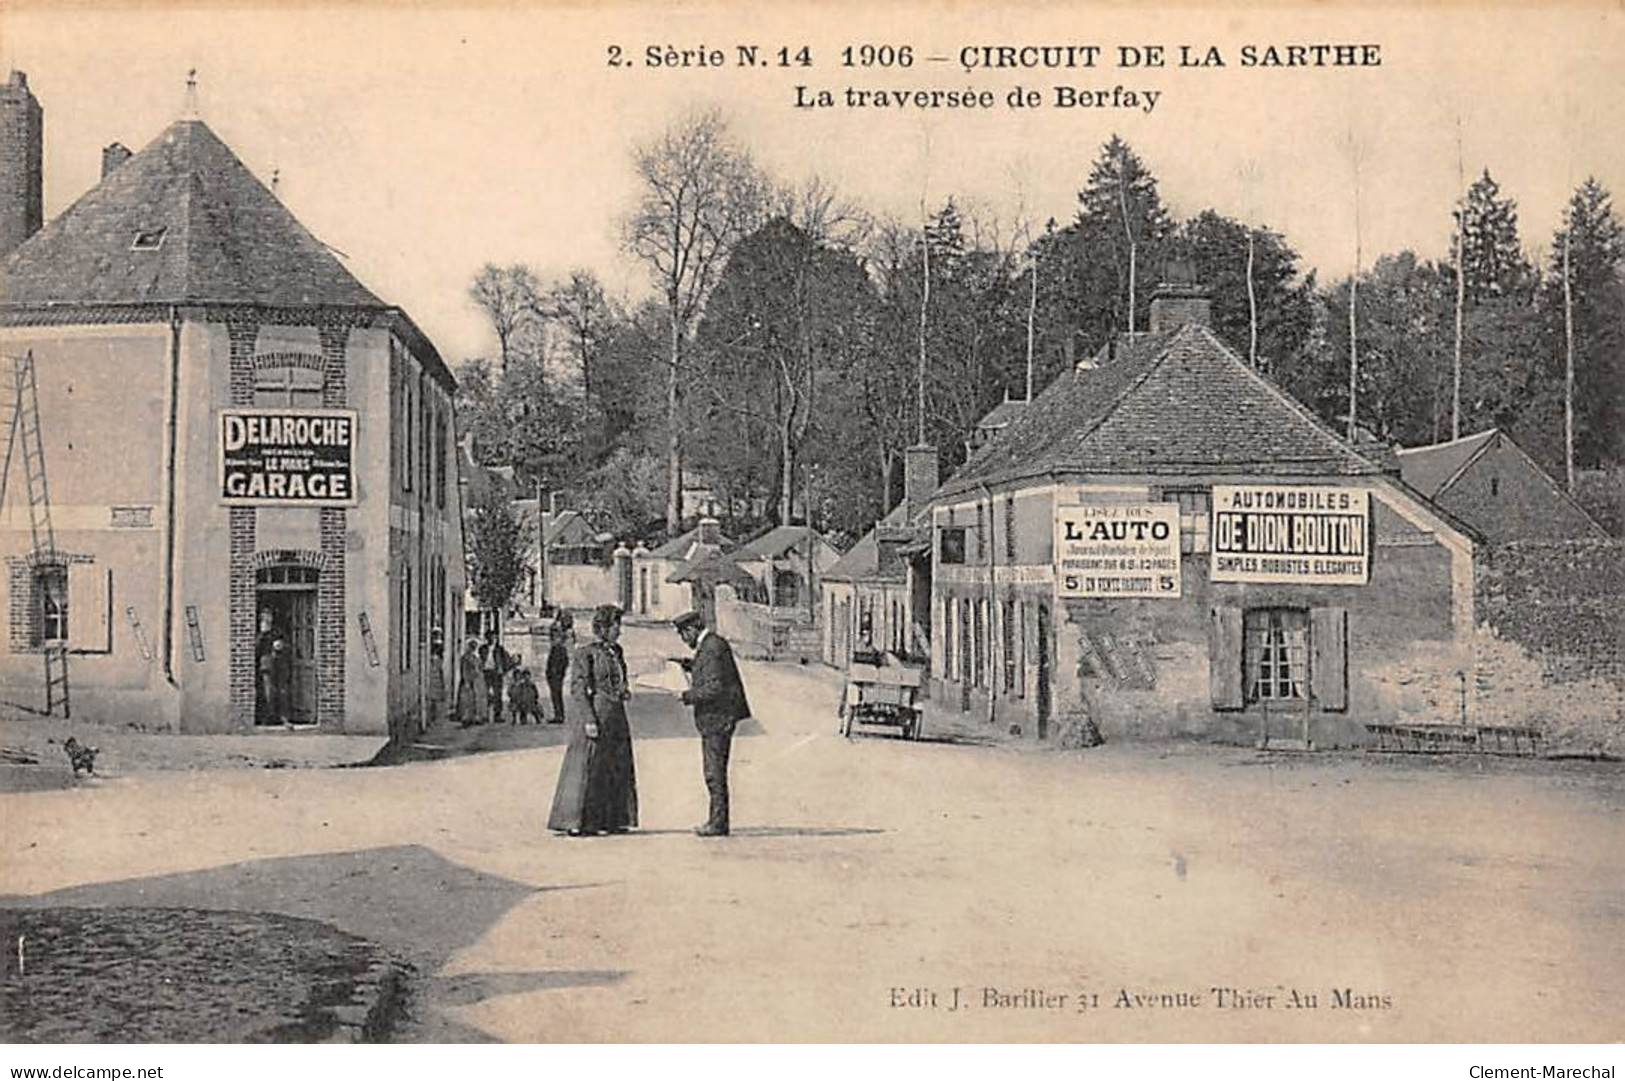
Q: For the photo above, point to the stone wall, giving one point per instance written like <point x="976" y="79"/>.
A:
<point x="1550" y="651"/>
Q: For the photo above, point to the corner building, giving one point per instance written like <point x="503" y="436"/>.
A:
<point x="236" y="433"/>
<point x="1164" y="544"/>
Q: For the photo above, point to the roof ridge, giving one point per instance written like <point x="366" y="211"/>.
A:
<point x="1448" y="442"/>
<point x="1304" y="413"/>
<point x="1467" y="463"/>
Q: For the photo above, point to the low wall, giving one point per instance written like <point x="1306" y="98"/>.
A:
<point x="582" y="586"/>
<point x="764" y="633"/>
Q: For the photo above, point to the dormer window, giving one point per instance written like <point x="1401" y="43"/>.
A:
<point x="148" y="240"/>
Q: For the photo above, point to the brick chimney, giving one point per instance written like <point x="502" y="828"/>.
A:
<point x="920" y="477"/>
<point x="22" y="151"/>
<point x="1179" y="299"/>
<point x="114" y="155"/>
<point x="710" y="532"/>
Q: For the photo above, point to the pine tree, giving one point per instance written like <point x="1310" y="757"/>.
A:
<point x="1596" y="242"/>
<point x="1491" y="255"/>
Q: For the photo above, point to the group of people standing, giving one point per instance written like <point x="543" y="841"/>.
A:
<point x="597" y="787"/>
<point x="487" y="674"/>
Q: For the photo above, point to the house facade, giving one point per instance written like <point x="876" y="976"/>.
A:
<point x="1165" y="544"/>
<point x="242" y="444"/>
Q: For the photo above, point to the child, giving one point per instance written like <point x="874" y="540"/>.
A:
<point x="522" y="697"/>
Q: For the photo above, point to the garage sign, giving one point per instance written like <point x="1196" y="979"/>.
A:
<point x="287" y="457"/>
<point x="1291" y="534"/>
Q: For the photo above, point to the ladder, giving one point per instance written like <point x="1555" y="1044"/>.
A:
<point x="23" y="433"/>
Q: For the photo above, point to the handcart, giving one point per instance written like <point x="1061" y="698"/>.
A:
<point x="880" y="693"/>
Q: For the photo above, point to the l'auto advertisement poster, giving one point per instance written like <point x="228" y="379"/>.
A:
<point x="1117" y="550"/>
<point x="1291" y="534"/>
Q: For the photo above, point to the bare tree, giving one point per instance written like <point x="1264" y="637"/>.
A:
<point x="580" y="306"/>
<point x="701" y="193"/>
<point x="508" y="297"/>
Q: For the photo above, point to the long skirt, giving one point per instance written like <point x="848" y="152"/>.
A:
<point x="597" y="789"/>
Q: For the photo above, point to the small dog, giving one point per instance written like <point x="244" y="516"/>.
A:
<point x="82" y="757"/>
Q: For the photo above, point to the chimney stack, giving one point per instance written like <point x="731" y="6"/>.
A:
<point x="710" y="532"/>
<point x="1178" y="299"/>
<point x="114" y="155"/>
<point x="22" y="152"/>
<point x="920" y="477"/>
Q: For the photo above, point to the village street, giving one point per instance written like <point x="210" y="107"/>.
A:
<point x="867" y="880"/>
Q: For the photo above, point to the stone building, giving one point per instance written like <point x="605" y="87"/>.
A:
<point x="1164" y="543"/>
<point x="242" y="443"/>
<point x="1487" y="481"/>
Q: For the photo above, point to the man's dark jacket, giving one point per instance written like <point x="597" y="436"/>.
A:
<point x="715" y="692"/>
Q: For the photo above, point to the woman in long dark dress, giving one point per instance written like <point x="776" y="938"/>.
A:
<point x="597" y="789"/>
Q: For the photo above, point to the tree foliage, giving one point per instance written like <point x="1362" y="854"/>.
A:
<point x="495" y="551"/>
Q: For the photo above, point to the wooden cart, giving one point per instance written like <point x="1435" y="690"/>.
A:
<point x="882" y="695"/>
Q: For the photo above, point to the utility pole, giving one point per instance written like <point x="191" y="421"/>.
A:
<point x="1461" y="288"/>
<point x="1568" y="349"/>
<point x="1354" y="296"/>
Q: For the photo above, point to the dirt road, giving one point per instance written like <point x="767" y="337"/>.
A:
<point x="1108" y="895"/>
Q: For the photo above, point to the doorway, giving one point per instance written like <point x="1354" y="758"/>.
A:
<point x="1043" y="671"/>
<point x="285" y="676"/>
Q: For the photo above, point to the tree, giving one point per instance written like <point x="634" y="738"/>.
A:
<point x="1492" y="258"/>
<point x="1218" y="248"/>
<point x="1596" y="309"/>
<point x="580" y="308"/>
<point x="508" y="297"/>
<point x="700" y="194"/>
<point x="495" y="551"/>
<point x="1125" y="223"/>
<point x="786" y="314"/>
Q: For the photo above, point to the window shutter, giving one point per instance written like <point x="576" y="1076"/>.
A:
<point x="1329" y="664"/>
<point x="90" y="610"/>
<point x="1224" y="658"/>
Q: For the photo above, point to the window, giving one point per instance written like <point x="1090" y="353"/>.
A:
<point x="408" y="405"/>
<point x="406" y="617"/>
<point x="951" y="544"/>
<point x="295" y="385"/>
<point x="1195" y="516"/>
<point x="440" y="460"/>
<point x="51" y="592"/>
<point x="1276" y="658"/>
<point x="1010" y="528"/>
<point x="149" y="240"/>
<point x="950" y="659"/>
<point x="1021" y="650"/>
<point x="979" y="649"/>
<point x="1495" y="486"/>
<point x="1008" y="638"/>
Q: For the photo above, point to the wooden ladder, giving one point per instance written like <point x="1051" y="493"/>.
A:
<point x="23" y="433"/>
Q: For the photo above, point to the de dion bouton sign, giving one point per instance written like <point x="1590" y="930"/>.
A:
<point x="287" y="457"/>
<point x="1291" y="534"/>
<point x="1117" y="550"/>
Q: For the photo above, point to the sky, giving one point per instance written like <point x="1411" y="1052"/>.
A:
<point x="424" y="141"/>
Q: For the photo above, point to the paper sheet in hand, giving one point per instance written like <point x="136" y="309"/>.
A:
<point x="670" y="677"/>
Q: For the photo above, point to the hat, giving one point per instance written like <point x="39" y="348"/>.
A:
<point x="688" y="619"/>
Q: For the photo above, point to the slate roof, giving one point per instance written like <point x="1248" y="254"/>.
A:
<point x="225" y="238"/>
<point x="874" y="558"/>
<point x="1177" y="402"/>
<point x="1430" y="469"/>
<point x="1002" y="414"/>
<point x="775" y="543"/>
<point x="682" y="546"/>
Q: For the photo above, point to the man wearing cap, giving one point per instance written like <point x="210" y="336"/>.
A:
<point x="718" y="698"/>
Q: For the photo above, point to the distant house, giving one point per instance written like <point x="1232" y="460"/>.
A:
<point x="1488" y="482"/>
<point x="786" y="563"/>
<point x="654" y="595"/>
<point x="876" y="592"/>
<point x="989" y="427"/>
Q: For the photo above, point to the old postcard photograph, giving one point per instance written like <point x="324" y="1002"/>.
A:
<point x="715" y="523"/>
